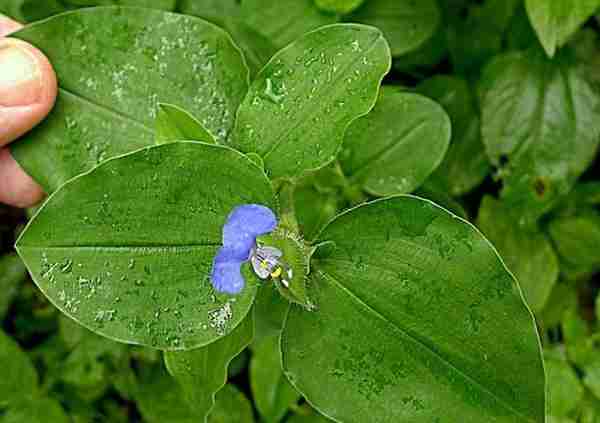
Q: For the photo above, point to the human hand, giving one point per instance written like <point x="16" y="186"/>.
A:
<point x="28" y="90"/>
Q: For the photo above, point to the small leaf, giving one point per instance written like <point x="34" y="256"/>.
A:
<point x="528" y="253"/>
<point x="394" y="148"/>
<point x="271" y="390"/>
<point x="539" y="127"/>
<point x="299" y="106"/>
<point x="555" y="21"/>
<point x="12" y="273"/>
<point x="466" y="165"/>
<point x="175" y="124"/>
<point x="565" y="389"/>
<point x="202" y="372"/>
<point x="35" y="410"/>
<point x="126" y="249"/>
<point x="406" y="24"/>
<point x="231" y="406"/>
<point x="19" y="377"/>
<point x="338" y="6"/>
<point x="418" y="319"/>
<point x="109" y="91"/>
<point x="284" y="21"/>
<point x="577" y="239"/>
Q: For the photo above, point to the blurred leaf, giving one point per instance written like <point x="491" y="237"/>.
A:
<point x="284" y="21"/>
<point x="556" y="20"/>
<point x="539" y="126"/>
<point x="101" y="252"/>
<point x="19" y="377"/>
<point x="528" y="252"/>
<point x="415" y="313"/>
<point x="465" y="166"/>
<point x="12" y="274"/>
<point x="270" y="309"/>
<point x="313" y="208"/>
<point x="338" y="6"/>
<point x="299" y="106"/>
<point x="394" y="148"/>
<point x="406" y="24"/>
<point x="175" y="124"/>
<point x="577" y="239"/>
<point x="564" y="387"/>
<point x="202" y="372"/>
<point x="272" y="393"/>
<point x="35" y="410"/>
<point x="231" y="406"/>
<point x="109" y="91"/>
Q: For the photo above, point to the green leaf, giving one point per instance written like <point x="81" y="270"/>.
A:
<point x="310" y="417"/>
<point x="283" y="21"/>
<point x="131" y="261"/>
<point x="109" y="91"/>
<point x="154" y="4"/>
<point x="19" y="377"/>
<point x="528" y="253"/>
<point x="202" y="372"/>
<point x="577" y="239"/>
<point x="213" y="10"/>
<point x="565" y="389"/>
<point x="231" y="406"/>
<point x="270" y="309"/>
<point x="465" y="166"/>
<point x="175" y="124"/>
<point x="406" y="24"/>
<point x="338" y="6"/>
<point x="555" y="21"/>
<point x="12" y="273"/>
<point x="313" y="208"/>
<point x="299" y="106"/>
<point x="35" y="410"/>
<point x="271" y="391"/>
<point x="539" y="127"/>
<point x="418" y="320"/>
<point x="394" y="148"/>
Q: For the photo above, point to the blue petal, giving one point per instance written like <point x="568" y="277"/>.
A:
<point x="226" y="273"/>
<point x="244" y="224"/>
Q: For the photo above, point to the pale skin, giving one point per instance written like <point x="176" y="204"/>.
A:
<point x="28" y="90"/>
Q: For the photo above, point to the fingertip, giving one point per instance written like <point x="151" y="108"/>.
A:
<point x="8" y="26"/>
<point x="28" y="88"/>
<point x="17" y="188"/>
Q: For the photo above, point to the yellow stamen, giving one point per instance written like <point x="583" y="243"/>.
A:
<point x="276" y="273"/>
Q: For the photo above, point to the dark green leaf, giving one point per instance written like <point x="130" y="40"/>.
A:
<point x="465" y="165"/>
<point x="131" y="261"/>
<point x="528" y="252"/>
<point x="300" y="104"/>
<point x="283" y="21"/>
<point x="202" y="372"/>
<point x="539" y="126"/>
<point x="175" y="124"/>
<point x="418" y="319"/>
<point x="35" y="410"/>
<point x="271" y="391"/>
<point x="231" y="406"/>
<point x="338" y="6"/>
<point x="270" y="309"/>
<point x="577" y="239"/>
<point x="394" y="148"/>
<point x="555" y="21"/>
<point x="110" y="90"/>
<point x="12" y="273"/>
<point x="406" y="24"/>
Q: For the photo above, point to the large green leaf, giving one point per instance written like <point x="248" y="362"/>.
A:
<point x="300" y="104"/>
<point x="417" y="320"/>
<point x="539" y="126"/>
<point x="114" y="66"/>
<point x="283" y="21"/>
<point x="406" y="24"/>
<point x="271" y="391"/>
<point x="556" y="20"/>
<point x="126" y="249"/>
<point x="19" y="378"/>
<point x="202" y="372"/>
<point x="465" y="165"/>
<point x="394" y="148"/>
<point x="528" y="252"/>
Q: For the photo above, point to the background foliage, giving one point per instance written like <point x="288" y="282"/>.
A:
<point x="519" y="83"/>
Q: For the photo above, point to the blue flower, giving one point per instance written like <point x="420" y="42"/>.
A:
<point x="244" y="224"/>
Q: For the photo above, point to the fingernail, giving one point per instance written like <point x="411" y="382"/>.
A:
<point x="20" y="75"/>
